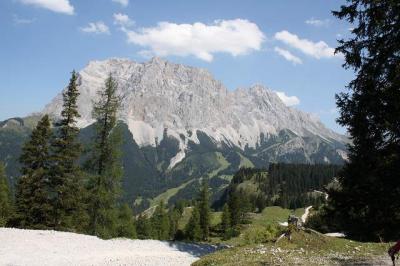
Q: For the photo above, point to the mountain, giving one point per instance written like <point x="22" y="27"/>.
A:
<point x="180" y="124"/>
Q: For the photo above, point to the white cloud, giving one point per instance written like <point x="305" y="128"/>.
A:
<point x="288" y="100"/>
<point x="318" y="22"/>
<point x="123" y="3"/>
<point x="96" y="27"/>
<point x="59" y="6"/>
<point x="123" y="20"/>
<point x="315" y="49"/>
<point x="288" y="55"/>
<point x="236" y="37"/>
<point x="18" y="20"/>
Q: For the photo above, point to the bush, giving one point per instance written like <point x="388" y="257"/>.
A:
<point x="260" y="234"/>
<point x="231" y="232"/>
<point x="321" y="222"/>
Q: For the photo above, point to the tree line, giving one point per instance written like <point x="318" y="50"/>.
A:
<point x="60" y="192"/>
<point x="54" y="190"/>
<point x="290" y="186"/>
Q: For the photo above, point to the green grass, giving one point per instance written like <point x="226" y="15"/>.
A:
<point x="223" y="164"/>
<point x="215" y="218"/>
<point x="305" y="248"/>
<point x="256" y="246"/>
<point x="269" y="217"/>
<point x="187" y="212"/>
<point x="273" y="215"/>
<point x="244" y="162"/>
<point x="165" y="196"/>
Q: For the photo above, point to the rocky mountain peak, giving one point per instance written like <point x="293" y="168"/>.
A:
<point x="183" y="100"/>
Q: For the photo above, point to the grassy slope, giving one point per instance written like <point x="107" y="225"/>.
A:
<point x="165" y="196"/>
<point x="245" y="162"/>
<point x="306" y="248"/>
<point x="215" y="218"/>
<point x="223" y="164"/>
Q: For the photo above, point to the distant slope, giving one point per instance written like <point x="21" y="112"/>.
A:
<point x="287" y="185"/>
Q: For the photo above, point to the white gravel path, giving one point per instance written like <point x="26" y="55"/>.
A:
<point x="42" y="248"/>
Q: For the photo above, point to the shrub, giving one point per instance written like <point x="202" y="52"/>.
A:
<point x="260" y="234"/>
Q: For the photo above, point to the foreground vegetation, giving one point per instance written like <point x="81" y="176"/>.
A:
<point x="305" y="248"/>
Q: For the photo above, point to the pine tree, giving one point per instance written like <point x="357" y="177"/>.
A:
<point x="66" y="177"/>
<point x="32" y="192"/>
<point x="6" y="208"/>
<point x="126" y="223"/>
<point x="367" y="206"/>
<point x="193" y="230"/>
<point x="105" y="163"/>
<point x="234" y="209"/>
<point x="225" y="220"/>
<point x="143" y="227"/>
<point x="174" y="215"/>
<point x="160" y="222"/>
<point x="204" y="210"/>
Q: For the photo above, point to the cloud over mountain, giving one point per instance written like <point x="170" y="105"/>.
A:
<point x="317" y="50"/>
<point x="235" y="37"/>
<point x="288" y="100"/>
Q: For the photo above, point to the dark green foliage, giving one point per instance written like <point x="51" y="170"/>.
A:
<point x="225" y="221"/>
<point x="174" y="215"/>
<point x="237" y="209"/>
<point x="193" y="229"/>
<point x="204" y="209"/>
<point x="32" y="193"/>
<point x="126" y="222"/>
<point x="143" y="227"/>
<point x="321" y="222"/>
<point x="292" y="182"/>
<point x="160" y="223"/>
<point x="66" y="185"/>
<point x="6" y="208"/>
<point x="286" y="185"/>
<point x="105" y="164"/>
<point x="367" y="205"/>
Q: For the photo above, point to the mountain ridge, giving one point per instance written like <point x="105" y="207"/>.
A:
<point x="180" y="100"/>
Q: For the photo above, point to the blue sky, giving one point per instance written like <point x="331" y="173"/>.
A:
<point x="285" y="45"/>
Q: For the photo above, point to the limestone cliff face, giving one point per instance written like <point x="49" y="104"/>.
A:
<point x="159" y="97"/>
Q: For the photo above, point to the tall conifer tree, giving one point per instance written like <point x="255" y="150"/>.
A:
<point x="367" y="206"/>
<point x="193" y="229"/>
<point x="204" y="209"/>
<point x="160" y="222"/>
<point x="105" y="163"/>
<point x="126" y="222"/>
<point x="6" y="207"/>
<point x="225" y="220"/>
<point x="66" y="178"/>
<point x="32" y="193"/>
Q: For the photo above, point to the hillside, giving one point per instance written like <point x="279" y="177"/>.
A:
<point x="256" y="245"/>
<point x="287" y="185"/>
<point x="306" y="248"/>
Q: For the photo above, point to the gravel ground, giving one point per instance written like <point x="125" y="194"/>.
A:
<point x="38" y="247"/>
